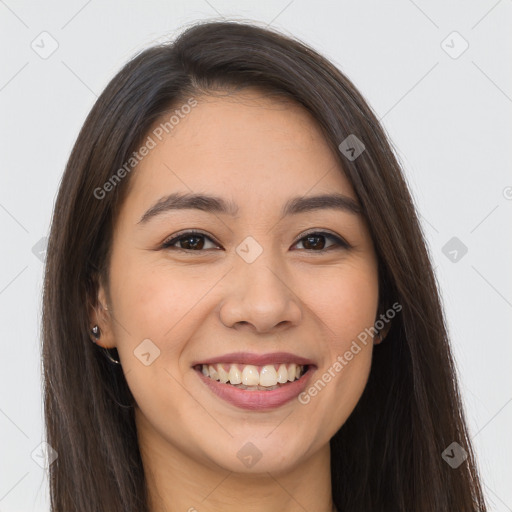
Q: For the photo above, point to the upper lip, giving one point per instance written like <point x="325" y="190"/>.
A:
<point x="257" y="359"/>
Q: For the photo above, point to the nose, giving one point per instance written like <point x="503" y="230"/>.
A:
<point x="260" y="297"/>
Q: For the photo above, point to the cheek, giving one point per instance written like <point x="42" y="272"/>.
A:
<point x="345" y="299"/>
<point x="156" y="303"/>
<point x="347" y="306"/>
<point x="159" y="303"/>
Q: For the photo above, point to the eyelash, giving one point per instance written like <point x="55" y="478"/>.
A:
<point x="342" y="244"/>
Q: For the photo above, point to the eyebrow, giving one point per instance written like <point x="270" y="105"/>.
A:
<point x="214" y="204"/>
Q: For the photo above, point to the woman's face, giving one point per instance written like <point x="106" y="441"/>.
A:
<point x="251" y="296"/>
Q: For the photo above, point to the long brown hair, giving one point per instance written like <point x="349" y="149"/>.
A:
<point x="387" y="456"/>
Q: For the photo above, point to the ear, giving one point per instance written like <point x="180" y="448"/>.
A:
<point x="382" y="333"/>
<point x="100" y="314"/>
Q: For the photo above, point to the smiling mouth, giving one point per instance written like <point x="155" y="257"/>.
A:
<point x="251" y="377"/>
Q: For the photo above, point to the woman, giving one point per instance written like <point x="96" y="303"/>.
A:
<point x="239" y="308"/>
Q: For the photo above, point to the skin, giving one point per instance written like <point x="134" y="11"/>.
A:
<point x="256" y="152"/>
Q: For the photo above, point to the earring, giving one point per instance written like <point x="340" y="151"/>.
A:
<point x="107" y="353"/>
<point x="97" y="334"/>
<point x="95" y="331"/>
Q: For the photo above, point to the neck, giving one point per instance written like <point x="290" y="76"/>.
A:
<point x="177" y="482"/>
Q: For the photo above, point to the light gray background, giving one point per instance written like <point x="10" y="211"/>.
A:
<point x="449" y="119"/>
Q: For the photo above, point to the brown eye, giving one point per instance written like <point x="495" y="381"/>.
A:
<point x="316" y="242"/>
<point x="189" y="241"/>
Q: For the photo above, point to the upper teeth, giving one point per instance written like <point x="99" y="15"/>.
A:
<point x="250" y="375"/>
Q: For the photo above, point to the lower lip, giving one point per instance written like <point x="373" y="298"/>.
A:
<point x="257" y="400"/>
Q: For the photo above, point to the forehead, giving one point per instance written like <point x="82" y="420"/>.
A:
<point x="245" y="146"/>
